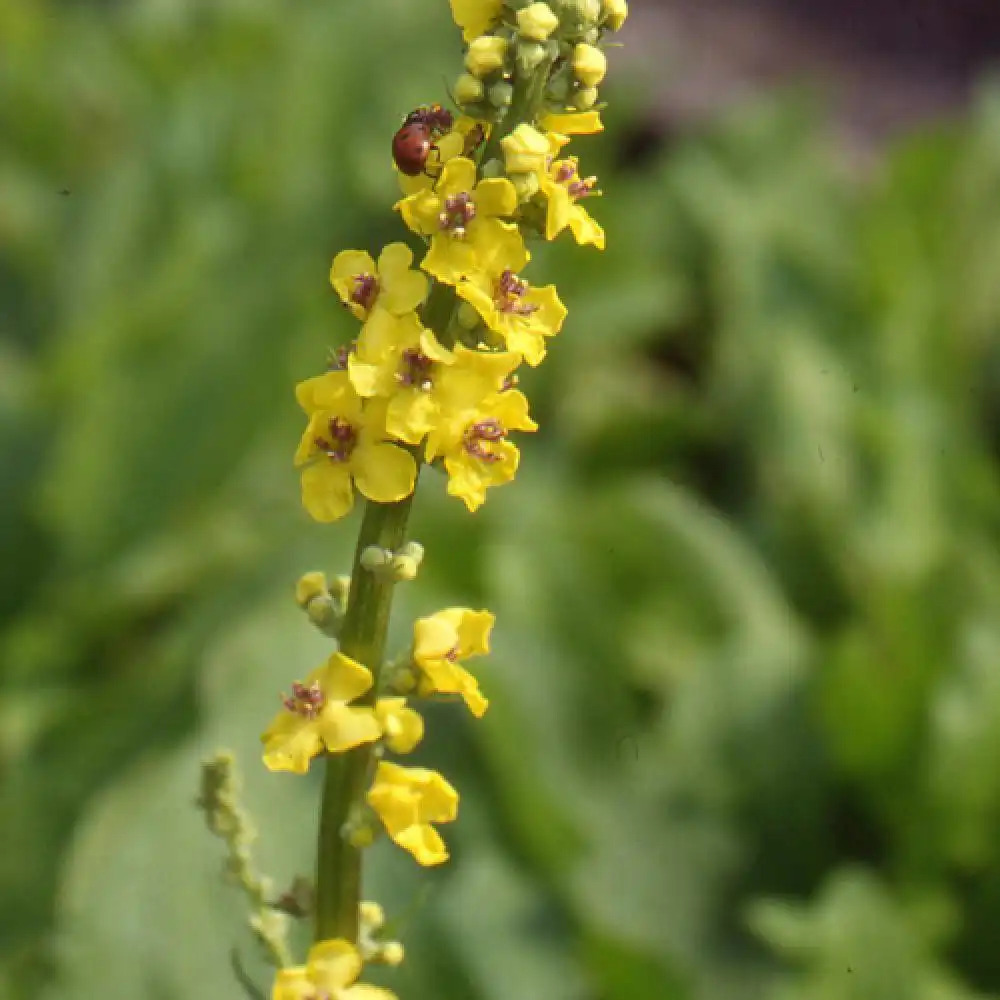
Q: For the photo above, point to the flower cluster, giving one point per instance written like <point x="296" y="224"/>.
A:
<point x="429" y="377"/>
<point x="336" y="709"/>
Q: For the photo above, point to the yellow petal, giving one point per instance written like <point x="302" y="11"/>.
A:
<point x="495" y="196"/>
<point x="512" y="411"/>
<point x="434" y="637"/>
<point x="584" y="229"/>
<point x="345" y="726"/>
<point x="327" y="493"/>
<point x="424" y="843"/>
<point x="342" y="678"/>
<point x="473" y="629"/>
<point x="334" y="964"/>
<point x="411" y="415"/>
<point x="383" y="472"/>
<point x="573" y="123"/>
<point x="394" y="260"/>
<point x="290" y="743"/>
<point x="323" y="392"/>
<point x="459" y="174"/>
<point x="293" y="984"/>
<point x="475" y="17"/>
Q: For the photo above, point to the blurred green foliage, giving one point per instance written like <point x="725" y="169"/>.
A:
<point x="744" y="739"/>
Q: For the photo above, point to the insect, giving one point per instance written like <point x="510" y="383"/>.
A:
<point x="412" y="144"/>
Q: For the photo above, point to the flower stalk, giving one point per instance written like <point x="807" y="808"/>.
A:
<point x="429" y="380"/>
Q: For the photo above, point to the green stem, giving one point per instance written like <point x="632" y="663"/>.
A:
<point x="338" y="864"/>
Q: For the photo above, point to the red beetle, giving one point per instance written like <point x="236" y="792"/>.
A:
<point x="412" y="144"/>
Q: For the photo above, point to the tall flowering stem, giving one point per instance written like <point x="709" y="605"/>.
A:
<point x="429" y="379"/>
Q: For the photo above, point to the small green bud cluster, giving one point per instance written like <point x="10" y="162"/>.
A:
<point x="563" y="34"/>
<point x="229" y="821"/>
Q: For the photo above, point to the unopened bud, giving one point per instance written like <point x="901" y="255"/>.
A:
<point x="371" y="915"/>
<point x="589" y="64"/>
<point x="530" y="55"/>
<point x="501" y="94"/>
<point x="405" y="569"/>
<point x="390" y="953"/>
<point x="375" y="558"/>
<point x="526" y="186"/>
<point x="485" y="55"/>
<point x="309" y="586"/>
<point x="585" y="98"/>
<point x="536" y="22"/>
<point x="468" y="89"/>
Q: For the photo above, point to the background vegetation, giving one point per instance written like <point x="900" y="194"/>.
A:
<point x="745" y="722"/>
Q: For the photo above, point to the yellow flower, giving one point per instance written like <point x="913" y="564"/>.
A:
<point x="460" y="217"/>
<point x="475" y="17"/>
<point x="536" y="22"/>
<point x="486" y="55"/>
<point x="390" y="285"/>
<point x="408" y="800"/>
<point x="589" y="64"/>
<point x="330" y="973"/>
<point x="475" y="418"/>
<point x="614" y="13"/>
<point x="572" y="122"/>
<point x="444" y="639"/>
<point x="317" y="715"/>
<point x="402" y="727"/>
<point x="522" y="315"/>
<point x="344" y="446"/>
<point x="401" y="366"/>
<point x="563" y="187"/>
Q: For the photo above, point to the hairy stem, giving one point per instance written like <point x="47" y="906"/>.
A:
<point x="338" y="866"/>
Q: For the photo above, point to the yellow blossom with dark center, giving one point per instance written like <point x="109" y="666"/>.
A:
<point x="344" y="445"/>
<point x="522" y="315"/>
<point x="401" y="367"/>
<point x="330" y="973"/>
<point x="564" y="188"/>
<point x="408" y="800"/>
<point x="317" y="715"/>
<point x="461" y="217"/>
<point x="441" y="642"/>
<point x="390" y="285"/>
<point x="477" y="414"/>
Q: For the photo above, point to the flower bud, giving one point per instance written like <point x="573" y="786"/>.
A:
<point x="536" y="22"/>
<point x="375" y="558"/>
<point x="485" y="55"/>
<point x="530" y="55"/>
<point x="589" y="65"/>
<point x="525" y="150"/>
<point x="501" y="94"/>
<point x="391" y="953"/>
<point x="585" y="98"/>
<point x="526" y="186"/>
<point x="404" y="568"/>
<point x="614" y="13"/>
<point x="371" y="916"/>
<point x="308" y="586"/>
<point x="468" y="89"/>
